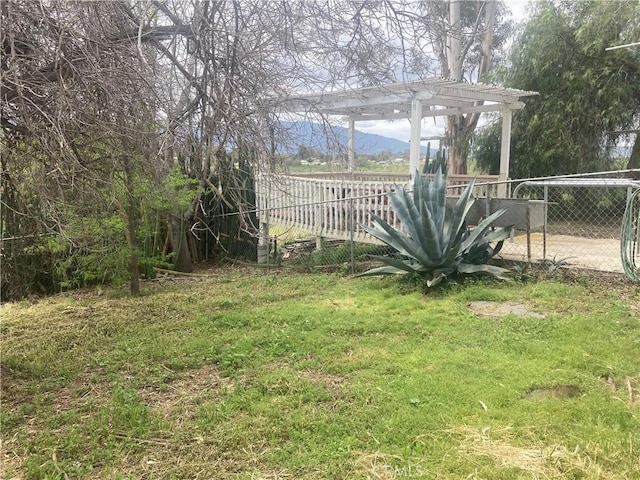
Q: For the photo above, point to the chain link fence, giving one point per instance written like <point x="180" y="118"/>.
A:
<point x="572" y="222"/>
<point x="582" y="222"/>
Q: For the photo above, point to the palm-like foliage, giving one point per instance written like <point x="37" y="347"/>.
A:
<point x="437" y="243"/>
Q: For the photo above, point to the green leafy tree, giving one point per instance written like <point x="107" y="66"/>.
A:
<point x="584" y="90"/>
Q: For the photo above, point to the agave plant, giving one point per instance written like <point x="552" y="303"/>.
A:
<point x="437" y="244"/>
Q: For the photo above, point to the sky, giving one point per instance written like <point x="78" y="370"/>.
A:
<point x="401" y="129"/>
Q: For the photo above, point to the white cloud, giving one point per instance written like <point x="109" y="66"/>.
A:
<point x="401" y="129"/>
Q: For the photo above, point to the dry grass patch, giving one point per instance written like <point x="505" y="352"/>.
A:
<point x="334" y="384"/>
<point x="501" y="309"/>
<point x="185" y="390"/>
<point x="536" y="461"/>
<point x="88" y="386"/>
<point x="193" y="459"/>
<point x="341" y="304"/>
<point x="196" y="459"/>
<point x="10" y="464"/>
<point x="626" y="389"/>
<point x="84" y="390"/>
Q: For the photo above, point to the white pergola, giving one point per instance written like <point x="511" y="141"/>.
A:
<point x="416" y="100"/>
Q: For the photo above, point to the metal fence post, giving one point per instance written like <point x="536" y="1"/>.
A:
<point x="546" y="220"/>
<point x="351" y="235"/>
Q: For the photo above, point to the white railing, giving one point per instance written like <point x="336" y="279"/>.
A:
<point x="326" y="208"/>
<point x="336" y="207"/>
<point x="485" y="184"/>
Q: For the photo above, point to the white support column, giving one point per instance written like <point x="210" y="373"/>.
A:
<point x="505" y="148"/>
<point x="351" y="147"/>
<point x="414" y="147"/>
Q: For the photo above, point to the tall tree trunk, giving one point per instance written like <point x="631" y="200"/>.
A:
<point x="132" y="226"/>
<point x="487" y="40"/>
<point x="455" y="123"/>
<point x="179" y="244"/>
<point x="634" y="159"/>
<point x="457" y="135"/>
<point x="461" y="127"/>
<point x="454" y="42"/>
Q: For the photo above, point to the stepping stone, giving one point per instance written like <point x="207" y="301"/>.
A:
<point x="499" y="309"/>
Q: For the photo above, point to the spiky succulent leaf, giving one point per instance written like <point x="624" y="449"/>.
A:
<point x="411" y="218"/>
<point x="459" y="213"/>
<point x="436" y="279"/>
<point x="434" y="209"/>
<point x="406" y="265"/>
<point x="437" y="242"/>
<point x="387" y="270"/>
<point x="498" y="272"/>
<point x="404" y="244"/>
<point x="389" y="235"/>
<point x="480" y="230"/>
<point x="422" y="230"/>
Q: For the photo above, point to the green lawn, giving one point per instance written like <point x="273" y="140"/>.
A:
<point x="251" y="375"/>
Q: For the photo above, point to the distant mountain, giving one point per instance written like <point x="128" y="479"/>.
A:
<point x="326" y="139"/>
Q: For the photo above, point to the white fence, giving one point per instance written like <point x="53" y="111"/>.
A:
<point x="326" y="206"/>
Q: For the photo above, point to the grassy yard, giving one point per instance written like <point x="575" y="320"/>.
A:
<point x="250" y="375"/>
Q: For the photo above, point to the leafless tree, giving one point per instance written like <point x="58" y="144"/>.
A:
<point x="108" y="93"/>
<point x="102" y="98"/>
<point x="77" y="113"/>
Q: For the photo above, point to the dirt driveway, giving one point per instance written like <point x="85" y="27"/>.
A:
<point x="592" y="253"/>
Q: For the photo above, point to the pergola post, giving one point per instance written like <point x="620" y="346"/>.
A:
<point x="505" y="149"/>
<point x="414" y="146"/>
<point x="351" y="146"/>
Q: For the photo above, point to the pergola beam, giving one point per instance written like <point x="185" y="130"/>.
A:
<point x="368" y="102"/>
<point x="443" y="112"/>
<point x="484" y="93"/>
<point x="427" y="113"/>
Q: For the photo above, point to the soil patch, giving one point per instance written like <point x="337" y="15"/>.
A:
<point x="561" y="391"/>
<point x="499" y="309"/>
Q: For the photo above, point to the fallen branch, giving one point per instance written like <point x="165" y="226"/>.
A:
<point x="185" y="274"/>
